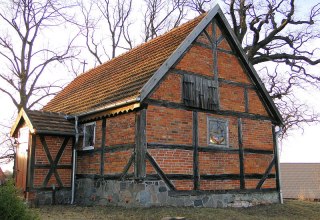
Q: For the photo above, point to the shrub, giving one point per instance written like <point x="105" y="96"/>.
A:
<point x="11" y="206"/>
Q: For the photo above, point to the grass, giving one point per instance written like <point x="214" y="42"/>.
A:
<point x="289" y="210"/>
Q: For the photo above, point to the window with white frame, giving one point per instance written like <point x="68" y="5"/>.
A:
<point x="218" y="132"/>
<point x="89" y="131"/>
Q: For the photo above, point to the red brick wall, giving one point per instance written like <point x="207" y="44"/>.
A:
<point x="219" y="184"/>
<point x="54" y="143"/>
<point x="257" y="163"/>
<point x="120" y="129"/>
<point x="230" y="68"/>
<point x="197" y="60"/>
<point x="255" y="104"/>
<point x="218" y="163"/>
<point x="115" y="162"/>
<point x="252" y="183"/>
<point x="257" y="134"/>
<point x="170" y="89"/>
<point x="232" y="98"/>
<point x="172" y="161"/>
<point x="88" y="164"/>
<point x="183" y="184"/>
<point x="168" y="126"/>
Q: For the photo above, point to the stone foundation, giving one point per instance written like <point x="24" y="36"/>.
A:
<point x="156" y="193"/>
<point x="60" y="197"/>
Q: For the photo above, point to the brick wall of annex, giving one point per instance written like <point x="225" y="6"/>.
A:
<point x="54" y="143"/>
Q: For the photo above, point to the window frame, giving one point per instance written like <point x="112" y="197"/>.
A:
<point x="84" y="136"/>
<point x="226" y="122"/>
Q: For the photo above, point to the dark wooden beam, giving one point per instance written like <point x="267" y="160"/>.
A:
<point x="246" y="100"/>
<point x="239" y="84"/>
<point x="103" y="143"/>
<point x="48" y="166"/>
<point x="208" y="36"/>
<point x="205" y="148"/>
<point x="141" y="145"/>
<point x="107" y="149"/>
<point x="127" y="167"/>
<point x="257" y="151"/>
<point x="195" y="140"/>
<point x="226" y="51"/>
<point x="160" y="171"/>
<point x="241" y="155"/>
<point x="53" y="163"/>
<point x="215" y="59"/>
<point x="266" y="174"/>
<point x="174" y="105"/>
<point x="43" y="189"/>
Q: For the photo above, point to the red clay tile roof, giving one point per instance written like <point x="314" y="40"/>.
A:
<point x="120" y="78"/>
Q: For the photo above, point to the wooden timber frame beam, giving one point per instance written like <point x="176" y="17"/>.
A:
<point x="195" y="139"/>
<point x="241" y="155"/>
<point x="53" y="163"/>
<point x="140" y="146"/>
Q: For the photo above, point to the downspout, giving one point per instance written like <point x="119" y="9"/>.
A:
<point x="74" y="159"/>
<point x="278" y="163"/>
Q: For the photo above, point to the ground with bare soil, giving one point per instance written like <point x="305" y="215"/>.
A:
<point x="289" y="210"/>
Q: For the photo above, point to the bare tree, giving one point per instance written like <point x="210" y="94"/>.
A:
<point x="26" y="56"/>
<point x="21" y="48"/>
<point x="7" y="144"/>
<point x="162" y="15"/>
<point x="102" y="22"/>
<point x="271" y="32"/>
<point x="199" y="5"/>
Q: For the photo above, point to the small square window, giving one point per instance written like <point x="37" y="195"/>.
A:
<point x="89" y="135"/>
<point x="218" y="132"/>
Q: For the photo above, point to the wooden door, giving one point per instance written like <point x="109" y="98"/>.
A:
<point x="22" y="158"/>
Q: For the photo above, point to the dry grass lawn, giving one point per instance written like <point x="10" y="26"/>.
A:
<point x="289" y="210"/>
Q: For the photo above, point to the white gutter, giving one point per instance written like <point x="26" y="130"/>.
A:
<point x="74" y="159"/>
<point x="278" y="164"/>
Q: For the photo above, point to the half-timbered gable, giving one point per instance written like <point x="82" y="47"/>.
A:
<point x="174" y="121"/>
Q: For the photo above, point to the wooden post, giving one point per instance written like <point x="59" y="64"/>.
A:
<point x="196" y="176"/>
<point x="241" y="155"/>
<point x="103" y="144"/>
<point x="141" y="146"/>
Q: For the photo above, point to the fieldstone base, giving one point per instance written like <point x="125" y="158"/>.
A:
<point x="156" y="193"/>
<point x="60" y="197"/>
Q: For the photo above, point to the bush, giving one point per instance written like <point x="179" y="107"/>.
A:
<point x="11" y="206"/>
